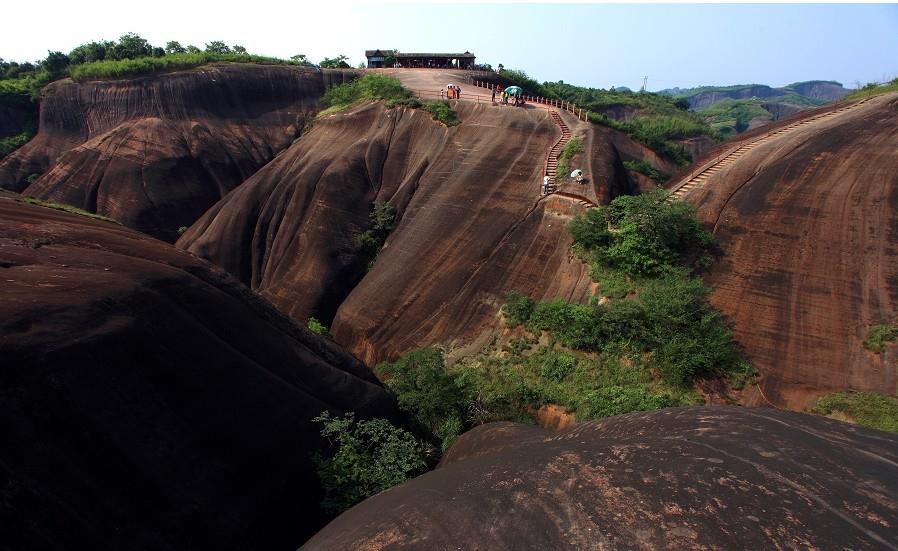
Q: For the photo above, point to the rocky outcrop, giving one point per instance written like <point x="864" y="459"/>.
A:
<point x="470" y="223"/>
<point x="156" y="152"/>
<point x="683" y="478"/>
<point x="149" y="400"/>
<point x="823" y="90"/>
<point x="807" y="226"/>
<point x="707" y="99"/>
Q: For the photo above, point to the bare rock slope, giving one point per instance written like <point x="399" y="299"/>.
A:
<point x="470" y="223"/>
<point x="155" y="152"/>
<point x="807" y="225"/>
<point x="150" y="401"/>
<point x="684" y="478"/>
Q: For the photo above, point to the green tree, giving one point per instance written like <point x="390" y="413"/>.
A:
<point x="55" y="64"/>
<point x="426" y="391"/>
<point x="338" y="62"/>
<point x="131" y="46"/>
<point x="218" y="47"/>
<point x="174" y="47"/>
<point x="238" y="49"/>
<point x="92" y="51"/>
<point x="369" y="457"/>
<point x="191" y="49"/>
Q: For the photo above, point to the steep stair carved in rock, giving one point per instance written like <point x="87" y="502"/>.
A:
<point x="552" y="157"/>
<point x="698" y="180"/>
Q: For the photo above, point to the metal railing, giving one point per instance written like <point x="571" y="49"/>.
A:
<point x="579" y="112"/>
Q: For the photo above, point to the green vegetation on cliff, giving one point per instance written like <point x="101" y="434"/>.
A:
<point x="867" y="409"/>
<point x="121" y="68"/>
<point x="645" y="168"/>
<point x="641" y="345"/>
<point x="655" y="120"/>
<point x="874" y="89"/>
<point x="374" y="87"/>
<point x="879" y="335"/>
<point x="368" y="457"/>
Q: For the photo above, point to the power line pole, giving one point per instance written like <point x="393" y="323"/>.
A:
<point x="645" y="81"/>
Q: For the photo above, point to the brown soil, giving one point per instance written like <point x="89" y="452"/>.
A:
<point x="681" y="478"/>
<point x="809" y="237"/>
<point x="150" y="401"/>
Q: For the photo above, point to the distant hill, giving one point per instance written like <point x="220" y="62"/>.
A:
<point x="735" y="109"/>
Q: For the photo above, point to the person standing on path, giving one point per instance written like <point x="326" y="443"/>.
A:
<point x="494" y="95"/>
<point x="546" y="184"/>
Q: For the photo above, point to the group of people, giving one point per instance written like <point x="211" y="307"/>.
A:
<point x="452" y="92"/>
<point x="517" y="99"/>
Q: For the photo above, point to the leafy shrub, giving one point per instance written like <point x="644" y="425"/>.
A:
<point x="879" y="335"/>
<point x="425" y="391"/>
<point x="867" y="409"/>
<point x="573" y="147"/>
<point x="517" y="308"/>
<point x="148" y="65"/>
<point x="370" y="457"/>
<point x="317" y="327"/>
<point x="642" y="235"/>
<point x="644" y="167"/>
<point x="440" y="111"/>
<point x="381" y="221"/>
<point x="612" y="283"/>
<point x="371" y="87"/>
<point x="617" y="400"/>
<point x="557" y="366"/>
<point x="10" y="144"/>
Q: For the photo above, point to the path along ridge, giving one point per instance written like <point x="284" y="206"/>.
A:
<point x="697" y="180"/>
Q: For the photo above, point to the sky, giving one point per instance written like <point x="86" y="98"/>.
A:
<point x="599" y="45"/>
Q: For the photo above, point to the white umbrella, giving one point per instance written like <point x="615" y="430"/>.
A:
<point x="576" y="173"/>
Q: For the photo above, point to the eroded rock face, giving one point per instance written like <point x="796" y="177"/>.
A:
<point x="683" y="478"/>
<point x="808" y="229"/>
<point x="470" y="223"/>
<point x="150" y="401"/>
<point x="156" y="152"/>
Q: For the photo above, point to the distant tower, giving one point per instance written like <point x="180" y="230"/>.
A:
<point x="645" y="81"/>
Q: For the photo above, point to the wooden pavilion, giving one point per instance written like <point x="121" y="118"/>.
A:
<point x="395" y="58"/>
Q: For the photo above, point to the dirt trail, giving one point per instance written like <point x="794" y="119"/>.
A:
<point x="806" y="221"/>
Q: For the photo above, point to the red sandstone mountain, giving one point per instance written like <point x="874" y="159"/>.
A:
<point x="471" y="223"/>
<point x="806" y="222"/>
<point x="156" y="152"/>
<point x="683" y="478"/>
<point x="150" y="401"/>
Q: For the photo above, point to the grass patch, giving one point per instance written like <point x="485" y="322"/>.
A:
<point x="573" y="147"/>
<point x="67" y="208"/>
<point x="440" y="111"/>
<point x="867" y="409"/>
<point x="878" y="336"/>
<point x="644" y="167"/>
<point x="873" y="89"/>
<point x="367" y="88"/>
<point x="381" y="87"/>
<point x="120" y="68"/>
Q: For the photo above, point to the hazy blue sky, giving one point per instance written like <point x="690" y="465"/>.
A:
<point x="590" y="44"/>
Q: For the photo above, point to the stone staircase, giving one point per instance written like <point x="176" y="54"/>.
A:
<point x="698" y="180"/>
<point x="552" y="159"/>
